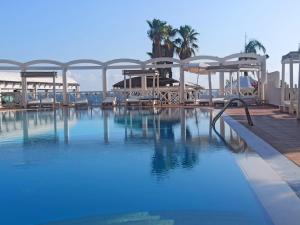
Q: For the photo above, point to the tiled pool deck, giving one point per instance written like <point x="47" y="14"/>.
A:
<point x="280" y="130"/>
<point x="273" y="132"/>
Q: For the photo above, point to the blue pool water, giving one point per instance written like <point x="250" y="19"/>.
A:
<point x="122" y="167"/>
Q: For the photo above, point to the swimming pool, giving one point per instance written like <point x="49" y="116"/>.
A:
<point x="122" y="167"/>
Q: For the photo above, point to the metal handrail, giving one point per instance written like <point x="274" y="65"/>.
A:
<point x="229" y="104"/>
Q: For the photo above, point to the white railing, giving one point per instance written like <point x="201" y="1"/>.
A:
<point x="167" y="95"/>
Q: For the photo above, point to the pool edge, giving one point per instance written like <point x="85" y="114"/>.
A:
<point x="272" y="184"/>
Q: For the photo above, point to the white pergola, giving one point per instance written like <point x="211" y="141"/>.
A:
<point x="231" y="69"/>
<point x="125" y="63"/>
<point x="143" y="74"/>
<point x="26" y="74"/>
<point x="291" y="59"/>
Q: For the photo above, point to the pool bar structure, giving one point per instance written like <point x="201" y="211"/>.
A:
<point x="235" y="63"/>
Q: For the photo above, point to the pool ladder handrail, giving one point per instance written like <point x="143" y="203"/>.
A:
<point x="229" y="104"/>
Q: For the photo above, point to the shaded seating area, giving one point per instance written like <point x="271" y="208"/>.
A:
<point x="142" y="87"/>
<point x="48" y="103"/>
<point x="34" y="103"/>
<point x="243" y="86"/>
<point x="81" y="103"/>
<point x="109" y="102"/>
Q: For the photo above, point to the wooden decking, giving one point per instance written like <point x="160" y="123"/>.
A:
<point x="280" y="130"/>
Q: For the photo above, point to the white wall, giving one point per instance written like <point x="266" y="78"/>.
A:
<point x="272" y="88"/>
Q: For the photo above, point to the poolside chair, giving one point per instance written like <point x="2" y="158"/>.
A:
<point x="81" y="103"/>
<point x="47" y="103"/>
<point x="189" y="102"/>
<point x="33" y="104"/>
<point x="133" y="101"/>
<point x="109" y="102"/>
<point x="202" y="101"/>
<point x="219" y="101"/>
<point x="148" y="101"/>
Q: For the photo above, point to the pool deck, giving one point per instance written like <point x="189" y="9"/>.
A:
<point x="280" y="130"/>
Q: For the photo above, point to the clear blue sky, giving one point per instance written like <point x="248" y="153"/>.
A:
<point x="69" y="29"/>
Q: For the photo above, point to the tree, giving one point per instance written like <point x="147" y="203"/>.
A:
<point x="168" y="48"/>
<point x="156" y="33"/>
<point x="187" y="42"/>
<point x="165" y="42"/>
<point x="253" y="46"/>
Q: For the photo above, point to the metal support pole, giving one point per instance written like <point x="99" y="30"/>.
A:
<point x="104" y="82"/>
<point x="230" y="78"/>
<point x="54" y="90"/>
<point x="221" y="83"/>
<point x="238" y="83"/>
<point x="24" y="90"/>
<point x="210" y="89"/>
<point x="282" y="83"/>
<point x="181" y="86"/>
<point x="130" y="85"/>
<point x="125" y="88"/>
<point x="65" y="87"/>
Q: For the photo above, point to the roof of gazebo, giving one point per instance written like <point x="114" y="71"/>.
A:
<point x="294" y="55"/>
<point x="204" y="69"/>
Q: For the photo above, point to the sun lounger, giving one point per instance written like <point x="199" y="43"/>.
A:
<point x="189" y="102"/>
<point x="109" y="101"/>
<point x="219" y="101"/>
<point x="81" y="103"/>
<point x="132" y="100"/>
<point x="202" y="101"/>
<point x="148" y="101"/>
<point x="47" y="103"/>
<point x="33" y="103"/>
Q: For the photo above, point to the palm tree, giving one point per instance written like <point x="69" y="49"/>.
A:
<point x="168" y="47"/>
<point x="253" y="46"/>
<point x="187" y="42"/>
<point x="156" y="33"/>
<point x="169" y="43"/>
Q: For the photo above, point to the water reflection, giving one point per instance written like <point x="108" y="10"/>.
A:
<point x="178" y="135"/>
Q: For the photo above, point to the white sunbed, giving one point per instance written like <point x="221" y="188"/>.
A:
<point x="81" y="103"/>
<point x="219" y="101"/>
<point x="148" y="100"/>
<point x="188" y="102"/>
<point x="132" y="100"/>
<point x="109" y="101"/>
<point x="33" y="103"/>
<point x="47" y="103"/>
<point x="202" y="101"/>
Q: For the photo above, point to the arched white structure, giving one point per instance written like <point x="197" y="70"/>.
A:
<point x="292" y="101"/>
<point x="127" y="63"/>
